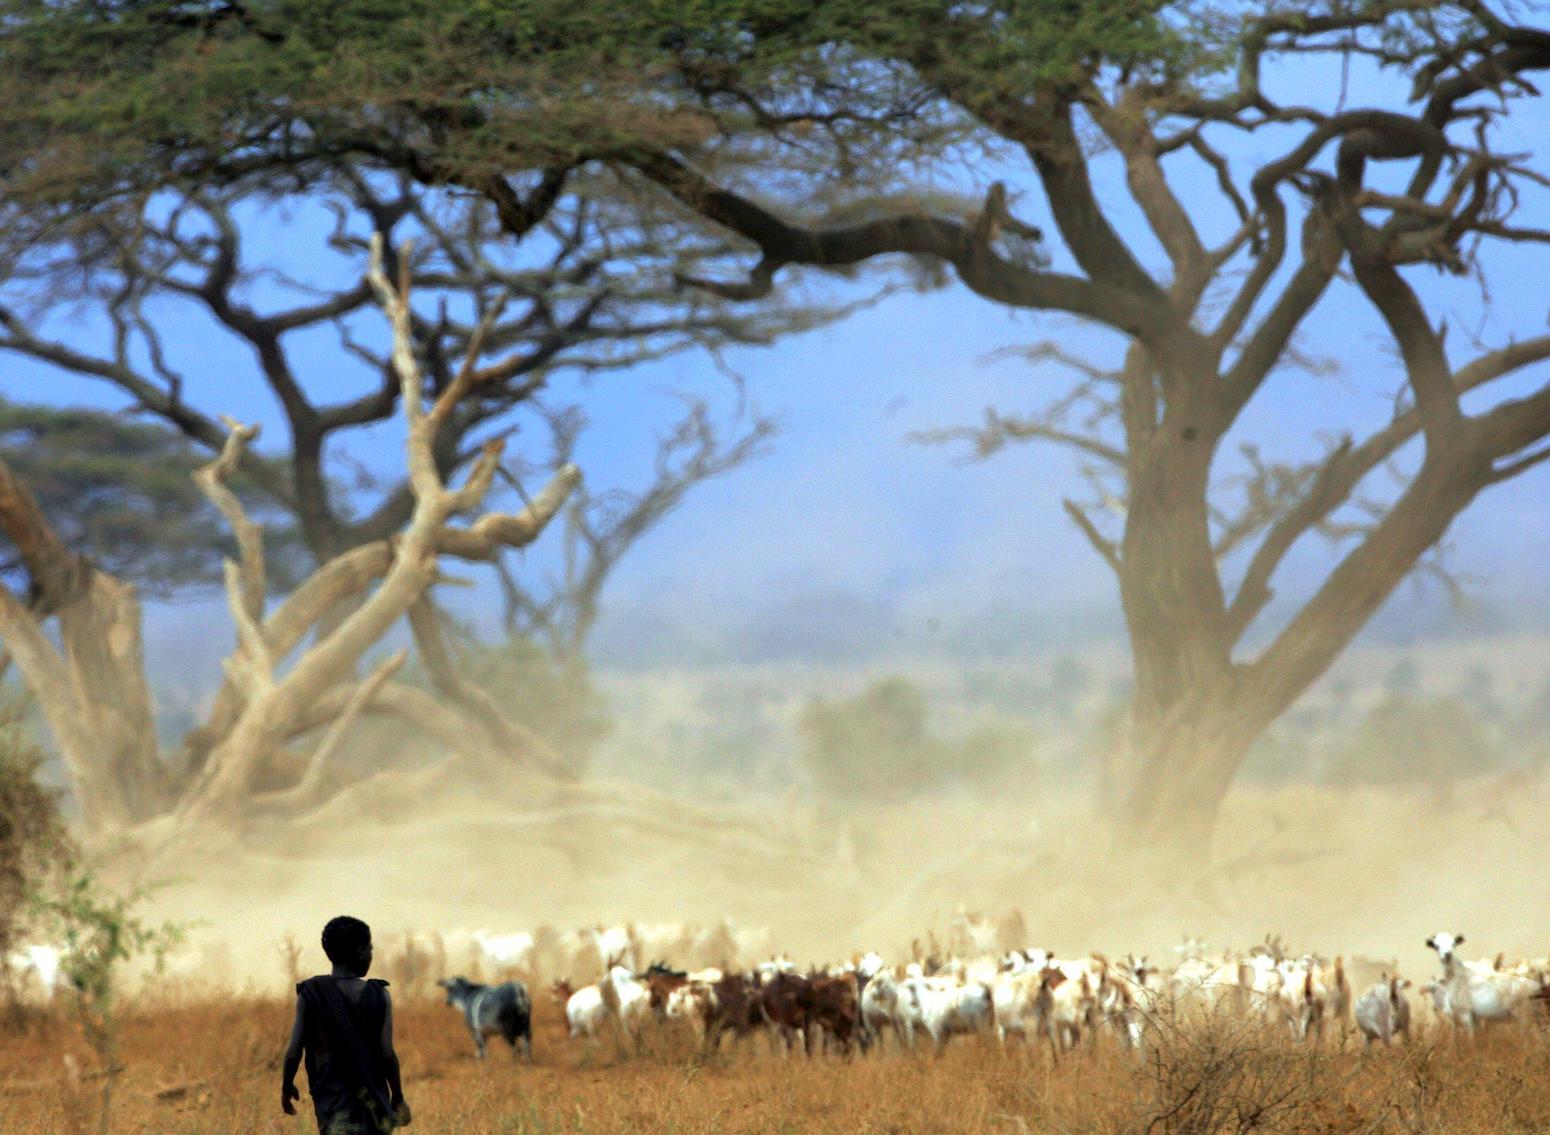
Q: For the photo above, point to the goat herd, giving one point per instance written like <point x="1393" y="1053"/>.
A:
<point x="1015" y="995"/>
<point x="977" y="984"/>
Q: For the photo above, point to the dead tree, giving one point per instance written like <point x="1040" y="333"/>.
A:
<point x="561" y="279"/>
<point x="92" y="686"/>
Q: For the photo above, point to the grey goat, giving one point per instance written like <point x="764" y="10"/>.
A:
<point x="487" y="1009"/>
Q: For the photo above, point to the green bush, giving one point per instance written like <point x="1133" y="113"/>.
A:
<point x="33" y="840"/>
<point x="879" y="745"/>
<point x="99" y="933"/>
<point x="1407" y="739"/>
<point x="562" y="705"/>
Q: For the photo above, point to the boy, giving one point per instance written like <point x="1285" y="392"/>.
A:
<point x="344" y="1023"/>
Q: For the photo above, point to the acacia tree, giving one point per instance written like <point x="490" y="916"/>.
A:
<point x="540" y="266"/>
<point x="805" y="130"/>
<point x="1199" y="546"/>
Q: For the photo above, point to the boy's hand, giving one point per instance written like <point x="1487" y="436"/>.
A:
<point x="288" y="1097"/>
<point x="401" y="1113"/>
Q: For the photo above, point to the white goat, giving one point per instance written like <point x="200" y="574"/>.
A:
<point x="37" y="965"/>
<point x="943" y="1008"/>
<point x="1019" y="1009"/>
<point x="584" y="1010"/>
<point x="1473" y="993"/>
<point x="1383" y="1012"/>
<point x="880" y="1010"/>
<point x="504" y="951"/>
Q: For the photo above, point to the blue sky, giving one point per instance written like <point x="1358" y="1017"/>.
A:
<point x="847" y="538"/>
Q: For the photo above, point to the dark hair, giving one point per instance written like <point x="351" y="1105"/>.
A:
<point x="344" y="938"/>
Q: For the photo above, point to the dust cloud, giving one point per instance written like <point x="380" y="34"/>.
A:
<point x="1361" y="872"/>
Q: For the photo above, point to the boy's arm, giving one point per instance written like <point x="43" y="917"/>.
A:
<point x="288" y="1092"/>
<point x="390" y="1063"/>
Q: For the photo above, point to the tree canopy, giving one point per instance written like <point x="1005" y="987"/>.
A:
<point x="545" y="266"/>
<point x="120" y="492"/>
<point x="826" y="136"/>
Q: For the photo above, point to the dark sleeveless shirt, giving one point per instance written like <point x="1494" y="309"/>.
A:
<point x="344" y="1064"/>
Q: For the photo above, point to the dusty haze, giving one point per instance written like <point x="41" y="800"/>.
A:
<point x="1369" y="871"/>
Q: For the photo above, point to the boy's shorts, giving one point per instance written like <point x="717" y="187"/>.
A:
<point x="352" y="1121"/>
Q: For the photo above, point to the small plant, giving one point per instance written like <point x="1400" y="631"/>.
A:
<point x="33" y="840"/>
<point x="1227" y="1074"/>
<point x="98" y="934"/>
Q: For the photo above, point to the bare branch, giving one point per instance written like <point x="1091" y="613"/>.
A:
<point x="161" y="402"/>
<point x="1328" y="487"/>
<point x="311" y="780"/>
<point x="988" y="274"/>
<point x="211" y="479"/>
<point x="998" y="430"/>
<point x="1512" y="469"/>
<point x="1104" y="546"/>
<point x="251" y="667"/>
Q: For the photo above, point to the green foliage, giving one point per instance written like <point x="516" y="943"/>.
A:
<point x="99" y="934"/>
<point x="103" y="98"/>
<point x="873" y="745"/>
<point x="33" y="840"/>
<point x="879" y="745"/>
<point x="119" y="491"/>
<point x="1409" y="739"/>
<point x="556" y="700"/>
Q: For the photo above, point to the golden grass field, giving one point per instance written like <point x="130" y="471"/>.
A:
<point x="1368" y="873"/>
<point x="217" y="1065"/>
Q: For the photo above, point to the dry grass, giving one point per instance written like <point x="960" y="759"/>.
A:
<point x="217" y="1063"/>
<point x="1353" y="873"/>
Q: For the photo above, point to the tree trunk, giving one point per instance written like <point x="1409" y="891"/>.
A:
<point x="1186" y="734"/>
<point x="1175" y="611"/>
<point x="105" y="656"/>
<point x="91" y="687"/>
<point x="1196" y="712"/>
<point x="1181" y="769"/>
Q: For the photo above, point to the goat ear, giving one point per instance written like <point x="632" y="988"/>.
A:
<point x="1458" y="939"/>
<point x="1431" y="943"/>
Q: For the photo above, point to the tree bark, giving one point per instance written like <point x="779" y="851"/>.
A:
<point x="1181" y="770"/>
<point x="1196" y="713"/>
<point x="91" y="687"/>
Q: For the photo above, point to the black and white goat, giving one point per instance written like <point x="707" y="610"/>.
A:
<point x="488" y="1009"/>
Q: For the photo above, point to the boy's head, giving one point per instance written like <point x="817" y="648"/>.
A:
<point x="347" y="942"/>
